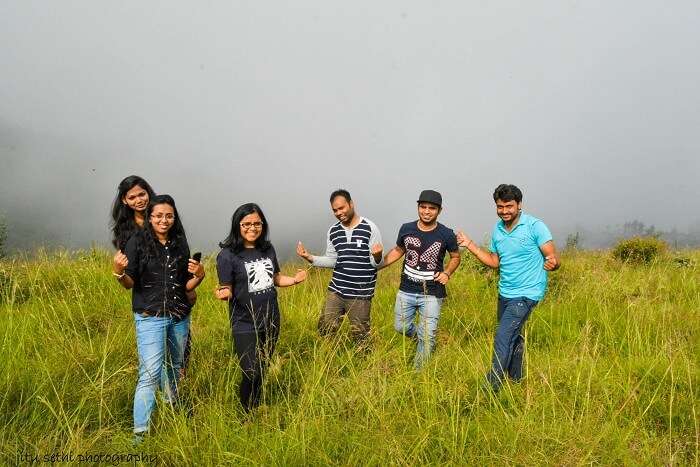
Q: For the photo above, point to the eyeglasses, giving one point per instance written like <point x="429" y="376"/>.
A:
<point x="250" y="225"/>
<point x="167" y="218"/>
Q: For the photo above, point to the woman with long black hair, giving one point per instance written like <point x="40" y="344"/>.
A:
<point x="248" y="273"/>
<point x="156" y="265"/>
<point x="128" y="217"/>
<point x="129" y="209"/>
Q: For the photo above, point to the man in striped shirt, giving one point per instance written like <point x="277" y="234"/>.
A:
<point x="354" y="251"/>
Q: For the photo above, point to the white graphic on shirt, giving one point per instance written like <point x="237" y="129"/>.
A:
<point x="260" y="274"/>
<point x="420" y="268"/>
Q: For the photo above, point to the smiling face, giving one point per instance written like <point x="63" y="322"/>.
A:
<point x="343" y="210"/>
<point x="507" y="210"/>
<point x="428" y="212"/>
<point x="136" y="198"/>
<point x="162" y="219"/>
<point x="251" y="228"/>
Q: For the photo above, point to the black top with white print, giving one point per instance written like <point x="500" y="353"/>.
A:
<point x="250" y="273"/>
<point x="425" y="256"/>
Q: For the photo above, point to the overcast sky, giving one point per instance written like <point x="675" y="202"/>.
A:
<point x="591" y="107"/>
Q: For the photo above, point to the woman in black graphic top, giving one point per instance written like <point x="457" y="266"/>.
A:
<point x="248" y="273"/>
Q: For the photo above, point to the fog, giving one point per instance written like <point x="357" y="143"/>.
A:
<point x="592" y="108"/>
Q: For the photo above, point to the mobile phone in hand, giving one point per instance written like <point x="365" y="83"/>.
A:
<point x="197" y="256"/>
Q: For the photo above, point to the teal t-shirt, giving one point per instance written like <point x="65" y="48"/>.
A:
<point x="522" y="272"/>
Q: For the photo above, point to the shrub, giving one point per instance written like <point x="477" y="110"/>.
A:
<point x="639" y="249"/>
<point x="573" y="241"/>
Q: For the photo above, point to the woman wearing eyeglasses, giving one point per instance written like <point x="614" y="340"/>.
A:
<point x="128" y="217"/>
<point x="156" y="265"/>
<point x="248" y="273"/>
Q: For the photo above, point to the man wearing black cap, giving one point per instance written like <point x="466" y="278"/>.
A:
<point x="424" y="243"/>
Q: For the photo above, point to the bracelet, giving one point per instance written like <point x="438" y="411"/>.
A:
<point x="447" y="274"/>
<point x="119" y="276"/>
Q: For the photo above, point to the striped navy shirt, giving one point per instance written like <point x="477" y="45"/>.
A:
<point x="348" y="252"/>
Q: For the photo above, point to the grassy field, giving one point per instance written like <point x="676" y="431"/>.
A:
<point x="612" y="363"/>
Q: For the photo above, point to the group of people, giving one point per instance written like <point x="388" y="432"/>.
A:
<point x="153" y="259"/>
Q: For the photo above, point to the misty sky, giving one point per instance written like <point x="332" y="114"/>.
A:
<point x="591" y="107"/>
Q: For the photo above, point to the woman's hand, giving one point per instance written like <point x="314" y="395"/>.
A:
<point x="119" y="267"/>
<point x="191" y="297"/>
<point x="120" y="262"/>
<point x="281" y="280"/>
<point x="223" y="292"/>
<point x="195" y="268"/>
<point x="300" y="276"/>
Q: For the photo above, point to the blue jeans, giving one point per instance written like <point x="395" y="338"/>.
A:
<point x="428" y="308"/>
<point x="160" y="342"/>
<point x="509" y="344"/>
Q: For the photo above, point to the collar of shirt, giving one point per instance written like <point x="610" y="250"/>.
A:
<point x="164" y="246"/>
<point x="522" y="219"/>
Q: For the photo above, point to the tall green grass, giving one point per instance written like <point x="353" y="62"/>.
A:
<point x="612" y="366"/>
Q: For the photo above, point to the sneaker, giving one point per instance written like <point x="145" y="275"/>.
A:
<point x="138" y="438"/>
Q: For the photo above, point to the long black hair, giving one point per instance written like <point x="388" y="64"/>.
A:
<point x="234" y="241"/>
<point x="176" y="234"/>
<point x="123" y="224"/>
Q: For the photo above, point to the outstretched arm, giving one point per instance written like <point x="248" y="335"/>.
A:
<point x="287" y="281"/>
<point x="486" y="257"/>
<point x="326" y="261"/>
<point x="394" y="254"/>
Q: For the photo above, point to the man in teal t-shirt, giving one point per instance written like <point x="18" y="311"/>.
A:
<point x="523" y="251"/>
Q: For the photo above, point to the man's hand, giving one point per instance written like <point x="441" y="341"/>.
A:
<point x="463" y="240"/>
<point x="551" y="263"/>
<point x="377" y="250"/>
<point x="551" y="259"/>
<point x="120" y="262"/>
<point x="442" y="277"/>
<point x="301" y="251"/>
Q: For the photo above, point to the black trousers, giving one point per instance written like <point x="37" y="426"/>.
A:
<point x="254" y="350"/>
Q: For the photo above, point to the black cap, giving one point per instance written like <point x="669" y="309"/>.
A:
<point x="430" y="196"/>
